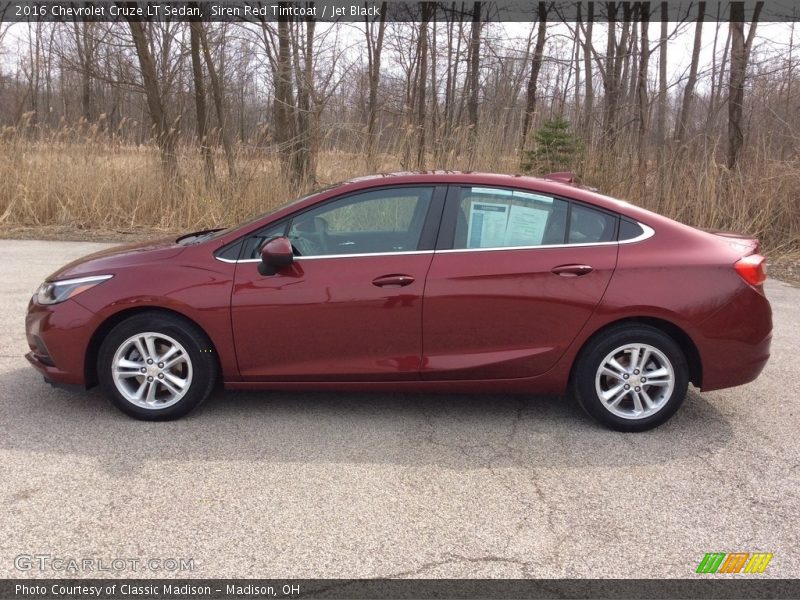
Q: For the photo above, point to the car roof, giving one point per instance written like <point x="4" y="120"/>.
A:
<point x="544" y="185"/>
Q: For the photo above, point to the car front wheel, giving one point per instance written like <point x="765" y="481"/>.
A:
<point x="156" y="366"/>
<point x="631" y="378"/>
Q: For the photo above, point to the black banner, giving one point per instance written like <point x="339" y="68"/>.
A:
<point x="711" y="587"/>
<point x="393" y="11"/>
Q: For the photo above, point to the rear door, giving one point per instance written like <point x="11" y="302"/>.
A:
<point x="515" y="276"/>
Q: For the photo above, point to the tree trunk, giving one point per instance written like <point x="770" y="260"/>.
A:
<point x="453" y="60"/>
<point x="84" y="44"/>
<point x="740" y="54"/>
<point x="615" y="52"/>
<point x="200" y="102"/>
<point x="219" y="103"/>
<point x="304" y="157"/>
<point x="533" y="81"/>
<point x="374" y="49"/>
<point x="165" y="135"/>
<point x="641" y="95"/>
<point x="283" y="103"/>
<point x="588" y="103"/>
<point x="576" y="56"/>
<point x="474" y="73"/>
<point x="688" y="94"/>
<point x="422" y="80"/>
<point x="661" y="111"/>
<point x="661" y="130"/>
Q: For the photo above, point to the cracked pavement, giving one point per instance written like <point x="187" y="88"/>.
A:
<point x="393" y="485"/>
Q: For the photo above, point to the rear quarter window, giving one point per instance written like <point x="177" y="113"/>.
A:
<point x="629" y="230"/>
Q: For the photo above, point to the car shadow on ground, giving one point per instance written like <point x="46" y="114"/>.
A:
<point x="455" y="431"/>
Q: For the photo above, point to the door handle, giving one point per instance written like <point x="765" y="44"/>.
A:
<point x="571" y="270"/>
<point x="393" y="281"/>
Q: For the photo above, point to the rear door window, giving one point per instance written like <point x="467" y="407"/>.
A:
<point x="505" y="218"/>
<point x="590" y="226"/>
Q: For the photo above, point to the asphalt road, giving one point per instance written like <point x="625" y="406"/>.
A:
<point x="365" y="485"/>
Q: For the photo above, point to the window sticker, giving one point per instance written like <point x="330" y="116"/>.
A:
<point x="487" y="224"/>
<point x="499" y="225"/>
<point x="526" y="226"/>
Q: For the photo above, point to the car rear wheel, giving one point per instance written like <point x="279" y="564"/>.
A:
<point x="155" y="366"/>
<point x="631" y="378"/>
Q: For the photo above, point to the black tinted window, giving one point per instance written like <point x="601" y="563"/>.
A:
<point x="588" y="226"/>
<point x="230" y="252"/>
<point x="384" y="220"/>
<point x="253" y="243"/>
<point x="629" y="230"/>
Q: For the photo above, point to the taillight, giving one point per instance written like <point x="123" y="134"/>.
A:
<point x="752" y="269"/>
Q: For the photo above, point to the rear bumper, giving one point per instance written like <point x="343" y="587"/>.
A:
<point x="746" y="365"/>
<point x="734" y="343"/>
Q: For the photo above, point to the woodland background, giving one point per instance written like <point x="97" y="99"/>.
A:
<point x="180" y="126"/>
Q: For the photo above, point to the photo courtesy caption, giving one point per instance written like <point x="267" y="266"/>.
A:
<point x="125" y="589"/>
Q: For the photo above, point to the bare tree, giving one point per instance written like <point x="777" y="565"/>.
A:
<point x="612" y="73"/>
<point x="688" y="94"/>
<point x="588" y="102"/>
<point x="374" y="49"/>
<point x="283" y="111"/>
<point x="473" y="75"/>
<point x="165" y="134"/>
<point x="219" y="102"/>
<point x="85" y="45"/>
<point x="740" y="55"/>
<point x="421" y="84"/>
<point x="453" y="60"/>
<point x="641" y="91"/>
<point x="536" y="66"/>
<point x="305" y="164"/>
<point x="200" y="102"/>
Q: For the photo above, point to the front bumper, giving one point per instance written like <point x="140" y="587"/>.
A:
<point x="58" y="337"/>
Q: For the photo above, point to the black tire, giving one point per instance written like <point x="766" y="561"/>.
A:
<point x="585" y="377"/>
<point x="201" y="363"/>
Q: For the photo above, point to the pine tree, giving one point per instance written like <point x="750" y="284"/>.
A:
<point x="555" y="148"/>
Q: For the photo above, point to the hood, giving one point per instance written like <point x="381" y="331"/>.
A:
<point x="107" y="261"/>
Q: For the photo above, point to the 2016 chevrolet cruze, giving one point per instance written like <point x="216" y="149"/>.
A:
<point x="451" y="282"/>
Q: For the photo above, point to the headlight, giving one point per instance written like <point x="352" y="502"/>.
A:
<point x="53" y="292"/>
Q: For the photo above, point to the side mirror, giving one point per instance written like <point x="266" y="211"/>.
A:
<point x="276" y="254"/>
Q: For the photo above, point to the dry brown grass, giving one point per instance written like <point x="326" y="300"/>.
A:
<point x="83" y="180"/>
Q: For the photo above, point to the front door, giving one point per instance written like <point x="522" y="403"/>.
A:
<point x="350" y="306"/>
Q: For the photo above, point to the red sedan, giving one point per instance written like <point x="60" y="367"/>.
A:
<point x="434" y="282"/>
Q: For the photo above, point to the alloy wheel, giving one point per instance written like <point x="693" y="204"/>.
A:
<point x="152" y="370"/>
<point x="635" y="381"/>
